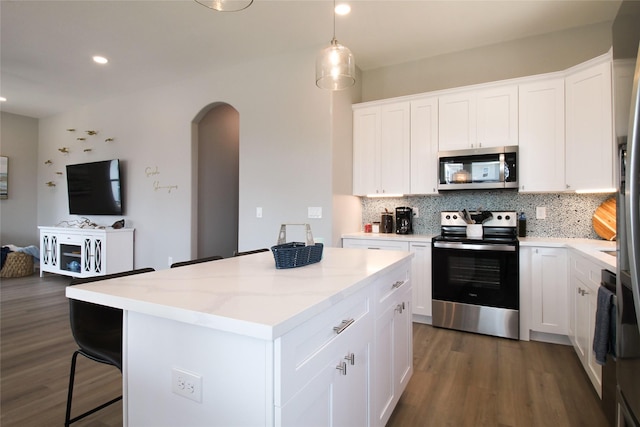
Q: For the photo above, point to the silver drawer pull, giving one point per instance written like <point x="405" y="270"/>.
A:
<point x="397" y="284"/>
<point x="400" y="307"/>
<point x="342" y="367"/>
<point x="344" y="325"/>
<point x="351" y="358"/>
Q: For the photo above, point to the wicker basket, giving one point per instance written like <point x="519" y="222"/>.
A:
<point x="296" y="254"/>
<point x="17" y="264"/>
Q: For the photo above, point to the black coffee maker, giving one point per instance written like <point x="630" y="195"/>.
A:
<point x="404" y="220"/>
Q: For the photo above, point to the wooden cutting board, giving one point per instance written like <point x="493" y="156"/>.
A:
<point x="604" y="219"/>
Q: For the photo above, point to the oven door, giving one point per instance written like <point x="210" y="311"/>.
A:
<point x="480" y="273"/>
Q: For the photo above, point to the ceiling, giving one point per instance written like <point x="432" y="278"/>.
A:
<point x="46" y="46"/>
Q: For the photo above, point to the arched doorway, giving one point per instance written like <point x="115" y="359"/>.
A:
<point x="216" y="168"/>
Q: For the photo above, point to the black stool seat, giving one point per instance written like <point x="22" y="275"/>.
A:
<point x="97" y="330"/>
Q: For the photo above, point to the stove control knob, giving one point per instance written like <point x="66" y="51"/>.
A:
<point x="454" y="217"/>
<point x="499" y="216"/>
<point x="448" y="217"/>
<point x="507" y="217"/>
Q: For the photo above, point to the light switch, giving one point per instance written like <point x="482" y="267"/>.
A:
<point x="314" y="212"/>
<point x="259" y="212"/>
<point x="541" y="212"/>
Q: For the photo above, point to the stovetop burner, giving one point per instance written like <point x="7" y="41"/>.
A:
<point x="497" y="227"/>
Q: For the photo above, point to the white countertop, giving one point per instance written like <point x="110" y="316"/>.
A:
<point x="592" y="248"/>
<point x="390" y="236"/>
<point x="246" y="295"/>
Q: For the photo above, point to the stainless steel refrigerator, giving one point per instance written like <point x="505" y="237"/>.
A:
<point x="626" y="47"/>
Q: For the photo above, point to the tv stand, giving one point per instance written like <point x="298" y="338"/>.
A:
<point x="85" y="252"/>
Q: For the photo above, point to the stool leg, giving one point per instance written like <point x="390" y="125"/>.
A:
<point x="72" y="375"/>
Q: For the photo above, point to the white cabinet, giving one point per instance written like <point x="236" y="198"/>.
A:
<point x="394" y="350"/>
<point x="541" y="160"/>
<point x="382" y="244"/>
<point x="349" y="366"/>
<point x="84" y="252"/>
<point x="424" y="146"/>
<point x="584" y="277"/>
<point x="421" y="279"/>
<point x="549" y="282"/>
<point x="480" y="118"/>
<point x="326" y="367"/>
<point x="381" y="149"/>
<point x="589" y="135"/>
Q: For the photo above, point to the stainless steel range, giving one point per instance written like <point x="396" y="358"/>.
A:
<point x="475" y="276"/>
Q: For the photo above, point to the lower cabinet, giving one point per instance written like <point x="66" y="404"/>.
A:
<point x="338" y="394"/>
<point x="393" y="358"/>
<point x="348" y="366"/>
<point x="421" y="278"/>
<point x="420" y="269"/>
<point x="584" y="277"/>
<point x="549" y="290"/>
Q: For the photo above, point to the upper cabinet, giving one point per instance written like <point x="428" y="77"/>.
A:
<point x="479" y="118"/>
<point x="541" y="140"/>
<point x="562" y="123"/>
<point x="424" y="146"/>
<point x="381" y="149"/>
<point x="589" y="130"/>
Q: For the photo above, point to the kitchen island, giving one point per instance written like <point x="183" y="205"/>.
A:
<point x="325" y="344"/>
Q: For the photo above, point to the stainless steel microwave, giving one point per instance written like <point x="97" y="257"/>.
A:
<point x="478" y="169"/>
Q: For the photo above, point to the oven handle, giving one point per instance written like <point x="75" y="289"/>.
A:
<point x="475" y="247"/>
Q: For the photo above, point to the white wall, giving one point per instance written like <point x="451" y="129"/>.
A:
<point x="19" y="142"/>
<point x="518" y="58"/>
<point x="285" y="154"/>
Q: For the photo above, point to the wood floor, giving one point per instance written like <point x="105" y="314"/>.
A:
<point x="459" y="379"/>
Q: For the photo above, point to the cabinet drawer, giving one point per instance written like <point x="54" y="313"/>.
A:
<point x="301" y="353"/>
<point x="589" y="273"/>
<point x="391" y="284"/>
<point x="72" y="239"/>
<point x="387" y="245"/>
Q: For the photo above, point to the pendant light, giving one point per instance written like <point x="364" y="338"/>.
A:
<point x="226" y="5"/>
<point x="335" y="66"/>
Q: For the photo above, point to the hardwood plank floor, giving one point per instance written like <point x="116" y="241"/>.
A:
<point x="463" y="379"/>
<point x="35" y="357"/>
<point x="459" y="379"/>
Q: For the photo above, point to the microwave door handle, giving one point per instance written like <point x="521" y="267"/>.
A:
<point x="501" y="178"/>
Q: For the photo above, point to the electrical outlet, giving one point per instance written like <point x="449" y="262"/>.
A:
<point x="258" y="212"/>
<point x="186" y="384"/>
<point x="416" y="213"/>
<point x="541" y="212"/>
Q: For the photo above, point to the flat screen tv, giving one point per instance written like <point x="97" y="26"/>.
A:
<point x="95" y="188"/>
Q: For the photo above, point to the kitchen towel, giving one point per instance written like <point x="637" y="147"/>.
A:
<point x="605" y="329"/>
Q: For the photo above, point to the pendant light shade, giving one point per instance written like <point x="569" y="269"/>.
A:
<point x="226" y="5"/>
<point x="335" y="66"/>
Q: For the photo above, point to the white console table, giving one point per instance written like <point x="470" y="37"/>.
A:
<point x="85" y="252"/>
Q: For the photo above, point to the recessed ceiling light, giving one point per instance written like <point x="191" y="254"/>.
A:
<point x="100" y="59"/>
<point x="2" y="99"/>
<point x="342" y="9"/>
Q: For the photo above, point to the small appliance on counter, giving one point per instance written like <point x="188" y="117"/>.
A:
<point x="386" y="222"/>
<point x="404" y="220"/>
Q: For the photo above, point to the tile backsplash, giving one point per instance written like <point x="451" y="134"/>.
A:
<point x="568" y="215"/>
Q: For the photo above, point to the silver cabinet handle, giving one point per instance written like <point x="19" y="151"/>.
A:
<point x="397" y="284"/>
<point x="351" y="358"/>
<point x="400" y="307"/>
<point x="344" y="325"/>
<point x="342" y="367"/>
